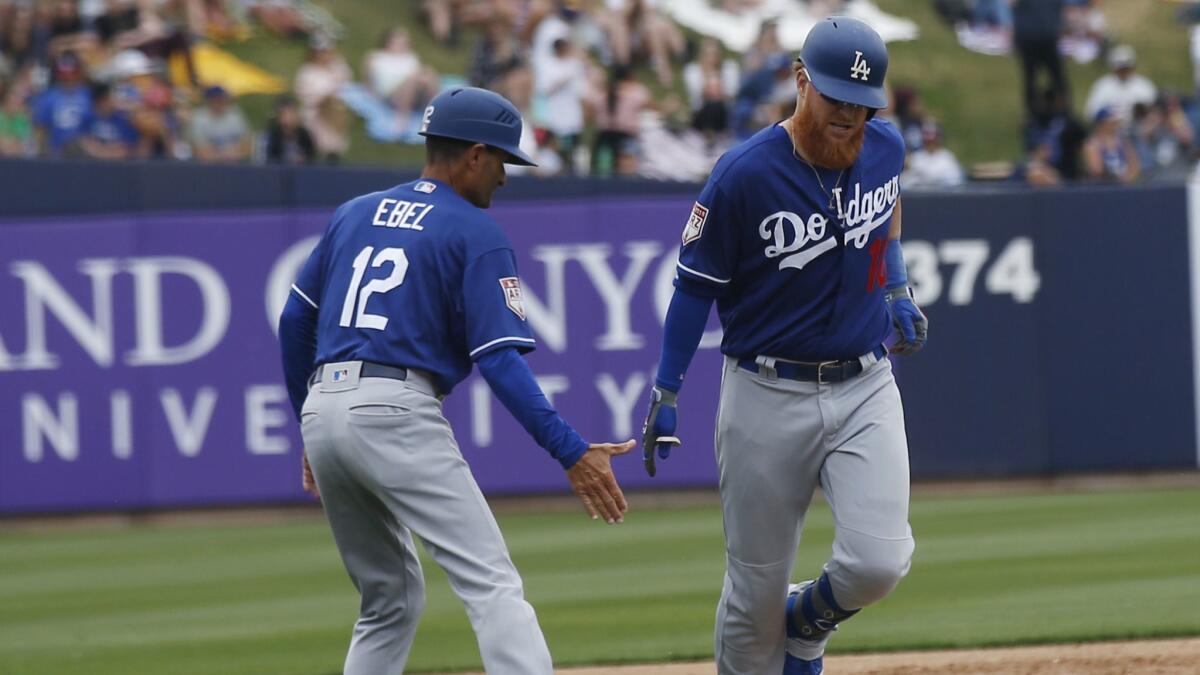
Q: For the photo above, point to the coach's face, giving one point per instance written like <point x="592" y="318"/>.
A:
<point x="483" y="174"/>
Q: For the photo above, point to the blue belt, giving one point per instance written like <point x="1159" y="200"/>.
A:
<point x="824" y="372"/>
<point x="369" y="369"/>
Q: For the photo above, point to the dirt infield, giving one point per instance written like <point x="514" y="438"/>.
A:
<point x="1151" y="657"/>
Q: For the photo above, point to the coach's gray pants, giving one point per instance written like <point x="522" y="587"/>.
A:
<point x="387" y="466"/>
<point x="775" y="440"/>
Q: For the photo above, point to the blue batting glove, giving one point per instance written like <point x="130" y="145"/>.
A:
<point x="907" y="319"/>
<point x="658" y="433"/>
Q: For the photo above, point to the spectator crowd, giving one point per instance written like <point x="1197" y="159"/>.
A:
<point x="117" y="79"/>
<point x="1129" y="128"/>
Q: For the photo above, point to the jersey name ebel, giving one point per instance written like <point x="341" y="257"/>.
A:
<point x="401" y="213"/>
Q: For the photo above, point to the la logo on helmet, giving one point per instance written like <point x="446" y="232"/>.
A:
<point x="425" y="119"/>
<point x="860" y="70"/>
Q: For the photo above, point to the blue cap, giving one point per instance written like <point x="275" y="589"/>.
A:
<point x="846" y="60"/>
<point x="778" y="61"/>
<point x="479" y="116"/>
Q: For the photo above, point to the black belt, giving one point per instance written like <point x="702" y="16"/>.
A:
<point x="369" y="369"/>
<point x="823" y="372"/>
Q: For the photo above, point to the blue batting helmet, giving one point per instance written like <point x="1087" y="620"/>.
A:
<point x="846" y="60"/>
<point x="478" y="116"/>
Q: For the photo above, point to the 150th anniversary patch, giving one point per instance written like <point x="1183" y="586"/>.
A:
<point x="512" y="295"/>
<point x="695" y="223"/>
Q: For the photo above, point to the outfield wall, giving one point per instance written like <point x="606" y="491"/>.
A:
<point x="139" y="368"/>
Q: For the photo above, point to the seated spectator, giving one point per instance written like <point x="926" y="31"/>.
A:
<point x="1053" y="123"/>
<point x="447" y="17"/>
<point x="1121" y="89"/>
<point x="288" y="142"/>
<point x="617" y="118"/>
<point x="142" y="92"/>
<point x="443" y="18"/>
<point x="549" y="160"/>
<point x="1107" y="155"/>
<point x="996" y="14"/>
<point x="1162" y="134"/>
<point x="498" y="63"/>
<point x="765" y="46"/>
<point x="1038" y="170"/>
<point x="280" y="17"/>
<point x="711" y="83"/>
<point x="16" y="125"/>
<point x="137" y="24"/>
<point x="933" y="166"/>
<point x="908" y="114"/>
<point x="637" y="28"/>
<point x="67" y="32"/>
<point x="107" y="131"/>
<point x="323" y="73"/>
<point x="559" y="81"/>
<point x="569" y="19"/>
<point x="1085" y="34"/>
<point x="17" y="37"/>
<point x="219" y="132"/>
<point x="986" y="27"/>
<point x="394" y="74"/>
<point x="628" y="160"/>
<point x="60" y="109"/>
<point x="760" y="95"/>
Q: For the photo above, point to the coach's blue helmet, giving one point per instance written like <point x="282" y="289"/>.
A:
<point x="479" y="116"/>
<point x="846" y="60"/>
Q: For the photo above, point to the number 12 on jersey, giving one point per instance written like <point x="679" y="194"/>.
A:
<point x="360" y="318"/>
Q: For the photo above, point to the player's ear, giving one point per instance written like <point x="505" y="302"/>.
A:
<point x="475" y="155"/>
<point x="801" y="75"/>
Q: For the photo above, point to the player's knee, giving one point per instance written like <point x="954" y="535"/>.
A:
<point x="393" y="601"/>
<point x="873" y="571"/>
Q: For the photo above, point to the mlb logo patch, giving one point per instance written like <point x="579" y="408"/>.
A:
<point x="512" y="296"/>
<point x="425" y="187"/>
<point x="695" y="223"/>
<point x="341" y="375"/>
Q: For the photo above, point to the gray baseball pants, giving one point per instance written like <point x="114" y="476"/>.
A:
<point x="387" y="466"/>
<point x="776" y="440"/>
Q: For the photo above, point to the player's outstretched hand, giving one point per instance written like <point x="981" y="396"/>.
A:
<point x="658" y="433"/>
<point x="306" y="478"/>
<point x="912" y="328"/>
<point x="593" y="480"/>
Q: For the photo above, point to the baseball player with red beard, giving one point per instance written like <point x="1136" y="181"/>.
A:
<point x="796" y="237"/>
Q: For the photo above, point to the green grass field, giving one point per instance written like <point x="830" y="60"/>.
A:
<point x="273" y="599"/>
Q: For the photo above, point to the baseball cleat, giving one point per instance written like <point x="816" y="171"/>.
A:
<point x="795" y="591"/>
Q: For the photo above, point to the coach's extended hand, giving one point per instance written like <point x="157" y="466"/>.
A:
<point x="306" y="478"/>
<point x="658" y="433"/>
<point x="593" y="480"/>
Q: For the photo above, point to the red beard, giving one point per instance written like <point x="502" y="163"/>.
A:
<point x="810" y="136"/>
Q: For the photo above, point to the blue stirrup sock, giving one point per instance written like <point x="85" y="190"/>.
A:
<point x="814" y="613"/>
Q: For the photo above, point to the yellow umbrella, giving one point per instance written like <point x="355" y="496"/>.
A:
<point x="216" y="66"/>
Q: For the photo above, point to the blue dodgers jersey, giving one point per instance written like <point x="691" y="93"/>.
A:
<point x="417" y="277"/>
<point x="794" y="276"/>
